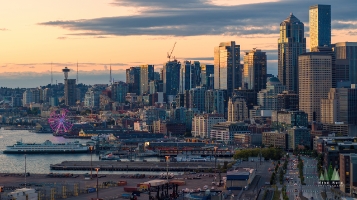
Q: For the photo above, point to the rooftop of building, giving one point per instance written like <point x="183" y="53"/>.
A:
<point x="291" y="19"/>
<point x="315" y="54"/>
<point x="241" y="171"/>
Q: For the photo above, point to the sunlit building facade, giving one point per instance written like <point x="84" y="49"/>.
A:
<point x="291" y="44"/>
<point x="255" y="70"/>
<point x="227" y="70"/>
<point x="320" y="25"/>
<point x="314" y="82"/>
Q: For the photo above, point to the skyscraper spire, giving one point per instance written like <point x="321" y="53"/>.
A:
<point x="77" y="72"/>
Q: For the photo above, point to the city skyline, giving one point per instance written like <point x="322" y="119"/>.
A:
<point x="87" y="32"/>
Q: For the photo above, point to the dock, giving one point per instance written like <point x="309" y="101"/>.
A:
<point x="135" y="166"/>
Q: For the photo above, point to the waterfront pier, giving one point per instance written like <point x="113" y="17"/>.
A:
<point x="135" y="166"/>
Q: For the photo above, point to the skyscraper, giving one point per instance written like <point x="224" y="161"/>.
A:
<point x="70" y="89"/>
<point x="290" y="45"/>
<point x="346" y="61"/>
<point x="189" y="75"/>
<point x="206" y="71"/>
<point x="237" y="109"/>
<point x="133" y="79"/>
<point x="119" y="91"/>
<point x="314" y="82"/>
<point x="146" y="75"/>
<point x="171" y="77"/>
<point x="267" y="98"/>
<point x="320" y="26"/>
<point x="227" y="71"/>
<point x="340" y="106"/>
<point x="255" y="70"/>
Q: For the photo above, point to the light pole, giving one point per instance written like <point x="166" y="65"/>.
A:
<point x="25" y="171"/>
<point x="91" y="150"/>
<point x="215" y="162"/>
<point x="167" y="174"/>
<point x="167" y="168"/>
<point x="97" y="169"/>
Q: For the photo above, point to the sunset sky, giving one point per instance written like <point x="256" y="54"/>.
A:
<point x="124" y="33"/>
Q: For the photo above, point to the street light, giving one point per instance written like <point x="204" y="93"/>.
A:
<point x="25" y="171"/>
<point x="91" y="150"/>
<point x="167" y="168"/>
<point x="167" y="174"/>
<point x="215" y="162"/>
<point x="97" y="169"/>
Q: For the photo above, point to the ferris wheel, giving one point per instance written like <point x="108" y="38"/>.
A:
<point x="59" y="121"/>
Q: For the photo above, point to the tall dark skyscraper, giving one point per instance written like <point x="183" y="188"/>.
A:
<point x="171" y="77"/>
<point x="69" y="89"/>
<point x="320" y="26"/>
<point x="206" y="71"/>
<point x="190" y="75"/>
<point x="227" y="70"/>
<point x="133" y="79"/>
<point x="291" y="44"/>
<point x="255" y="70"/>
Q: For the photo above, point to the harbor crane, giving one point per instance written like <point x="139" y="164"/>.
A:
<point x="169" y="54"/>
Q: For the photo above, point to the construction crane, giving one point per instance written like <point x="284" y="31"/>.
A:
<point x="169" y="55"/>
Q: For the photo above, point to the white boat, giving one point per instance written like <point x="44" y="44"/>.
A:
<point x="46" y="147"/>
<point x="110" y="157"/>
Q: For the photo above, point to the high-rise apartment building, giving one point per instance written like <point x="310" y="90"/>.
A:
<point x="314" y="82"/>
<point x="288" y="100"/>
<point x="206" y="71"/>
<point x="119" y="91"/>
<point x="171" y="77"/>
<point x="346" y="61"/>
<point x="340" y="106"/>
<point x="320" y="26"/>
<point x="190" y="75"/>
<point x="133" y="79"/>
<point x="203" y="123"/>
<point x="267" y="98"/>
<point x="146" y="75"/>
<point x="197" y="98"/>
<point x="91" y="98"/>
<point x="227" y="68"/>
<point x="237" y="109"/>
<point x="70" y="92"/>
<point x="214" y="101"/>
<point x="255" y="70"/>
<point x="291" y="44"/>
<point x="27" y="97"/>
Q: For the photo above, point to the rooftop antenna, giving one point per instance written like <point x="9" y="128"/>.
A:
<point x="51" y="75"/>
<point x="77" y="72"/>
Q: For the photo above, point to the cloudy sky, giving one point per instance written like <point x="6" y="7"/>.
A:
<point x="124" y="33"/>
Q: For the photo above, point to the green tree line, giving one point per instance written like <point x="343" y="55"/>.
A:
<point x="267" y="153"/>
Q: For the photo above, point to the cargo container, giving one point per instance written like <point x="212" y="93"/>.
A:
<point x="177" y="182"/>
<point x="122" y="183"/>
<point x="130" y="189"/>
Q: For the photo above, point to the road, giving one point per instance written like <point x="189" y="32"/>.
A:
<point x="311" y="190"/>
